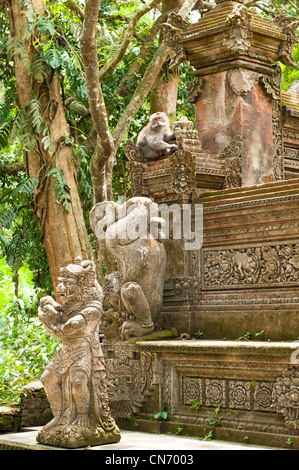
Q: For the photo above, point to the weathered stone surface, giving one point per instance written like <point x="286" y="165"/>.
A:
<point x="10" y="419"/>
<point x="247" y="270"/>
<point x="227" y="389"/>
<point x="35" y="407"/>
<point x="133" y="295"/>
<point x="229" y="107"/>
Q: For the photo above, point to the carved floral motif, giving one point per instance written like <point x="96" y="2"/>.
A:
<point x="192" y="390"/>
<point x="272" y="87"/>
<point x="182" y="166"/>
<point x="232" y="163"/>
<point x="287" y="397"/>
<point x="239" y="394"/>
<point x="232" y="394"/>
<point x="237" y="34"/>
<point x="136" y="164"/>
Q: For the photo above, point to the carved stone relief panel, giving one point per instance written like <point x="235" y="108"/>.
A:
<point x="287" y="396"/>
<point x="254" y="266"/>
<point x="231" y="394"/>
<point x="131" y="377"/>
<point x="192" y="390"/>
<point x="182" y="166"/>
<point x="272" y="87"/>
<point x="239" y="395"/>
<point x="263" y="397"/>
<point x="216" y="393"/>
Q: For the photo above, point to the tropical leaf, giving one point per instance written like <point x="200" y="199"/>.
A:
<point x="39" y="67"/>
<point x="62" y="190"/>
<point x="16" y="46"/>
<point x="36" y="115"/>
<point x="52" y="55"/>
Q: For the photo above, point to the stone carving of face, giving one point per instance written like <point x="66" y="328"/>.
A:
<point x="69" y="291"/>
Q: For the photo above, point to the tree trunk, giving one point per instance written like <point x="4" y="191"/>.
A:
<point x="165" y="90"/>
<point x="64" y="232"/>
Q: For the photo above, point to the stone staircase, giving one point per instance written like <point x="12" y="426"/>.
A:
<point x="245" y="194"/>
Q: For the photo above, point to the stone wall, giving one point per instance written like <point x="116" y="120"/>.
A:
<point x="35" y="408"/>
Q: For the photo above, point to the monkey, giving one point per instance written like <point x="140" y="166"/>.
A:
<point x="155" y="138"/>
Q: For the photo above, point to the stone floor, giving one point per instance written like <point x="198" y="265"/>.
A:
<point x="130" y="440"/>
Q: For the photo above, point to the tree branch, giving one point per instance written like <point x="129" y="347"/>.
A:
<point x="145" y="50"/>
<point x="112" y="64"/>
<point x="90" y="58"/>
<point x="146" y="83"/>
<point x="73" y="5"/>
<point x="12" y="168"/>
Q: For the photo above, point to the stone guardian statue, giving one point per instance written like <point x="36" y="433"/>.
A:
<point x="133" y="233"/>
<point x="75" y="380"/>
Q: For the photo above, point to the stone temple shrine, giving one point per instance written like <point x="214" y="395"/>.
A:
<point x="221" y="357"/>
<point x="241" y="163"/>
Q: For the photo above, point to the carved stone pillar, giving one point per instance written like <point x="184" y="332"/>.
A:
<point x="234" y="50"/>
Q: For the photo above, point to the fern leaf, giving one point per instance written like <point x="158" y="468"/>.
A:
<point x="18" y="126"/>
<point x="4" y="111"/>
<point x="39" y="68"/>
<point x="5" y="132"/>
<point x="36" y="115"/>
<point x="16" y="46"/>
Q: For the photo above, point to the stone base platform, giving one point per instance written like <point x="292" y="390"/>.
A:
<point x="231" y="390"/>
<point x="242" y="392"/>
<point x="130" y="441"/>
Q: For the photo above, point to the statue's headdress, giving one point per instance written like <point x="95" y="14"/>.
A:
<point x="82" y="272"/>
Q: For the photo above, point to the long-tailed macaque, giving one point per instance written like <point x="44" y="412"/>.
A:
<point x="155" y="138"/>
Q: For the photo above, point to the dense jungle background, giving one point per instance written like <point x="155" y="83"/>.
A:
<point x="61" y="141"/>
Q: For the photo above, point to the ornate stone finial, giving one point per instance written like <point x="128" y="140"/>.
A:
<point x="289" y="25"/>
<point x="172" y="31"/>
<point x="237" y="34"/>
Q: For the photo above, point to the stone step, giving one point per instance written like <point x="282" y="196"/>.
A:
<point x="268" y="190"/>
<point x="252" y="197"/>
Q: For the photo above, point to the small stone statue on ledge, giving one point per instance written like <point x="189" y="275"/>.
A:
<point x="75" y="380"/>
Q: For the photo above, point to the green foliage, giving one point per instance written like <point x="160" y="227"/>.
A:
<point x="194" y="404"/>
<point x="62" y="190"/>
<point x="163" y="413"/>
<point x="25" y="347"/>
<point x="290" y="74"/>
